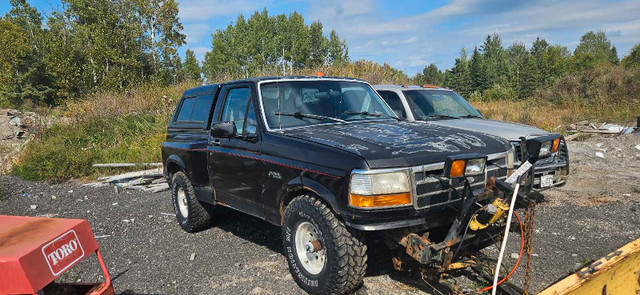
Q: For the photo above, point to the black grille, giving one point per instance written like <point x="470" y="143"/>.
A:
<point x="432" y="189"/>
<point x="564" y="152"/>
<point x="517" y="151"/>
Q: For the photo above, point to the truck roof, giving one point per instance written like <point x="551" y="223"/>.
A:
<point x="409" y="87"/>
<point x="201" y="89"/>
<point x="258" y="79"/>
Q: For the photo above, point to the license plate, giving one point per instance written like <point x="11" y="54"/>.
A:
<point x="546" y="180"/>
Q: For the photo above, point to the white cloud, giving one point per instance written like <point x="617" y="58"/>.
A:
<point x="204" y="10"/>
<point x="195" y="32"/>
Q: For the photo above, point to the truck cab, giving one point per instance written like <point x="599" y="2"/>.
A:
<point x="328" y="160"/>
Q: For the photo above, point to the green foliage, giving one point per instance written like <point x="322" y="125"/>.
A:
<point x="459" y="77"/>
<point x="267" y="44"/>
<point x="430" y="75"/>
<point x="594" y="49"/>
<point x="632" y="60"/>
<point x="90" y="46"/>
<point x="63" y="152"/>
<point x="192" y="69"/>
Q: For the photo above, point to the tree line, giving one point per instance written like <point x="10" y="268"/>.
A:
<point x="88" y="46"/>
<point x="516" y="72"/>
<point x="276" y="44"/>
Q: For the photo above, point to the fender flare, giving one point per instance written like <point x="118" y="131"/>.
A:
<point x="173" y="159"/>
<point x="322" y="192"/>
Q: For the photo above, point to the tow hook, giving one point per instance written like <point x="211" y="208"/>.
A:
<point x="313" y="246"/>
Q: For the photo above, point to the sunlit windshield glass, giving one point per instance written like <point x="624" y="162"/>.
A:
<point x="428" y="104"/>
<point x="299" y="103"/>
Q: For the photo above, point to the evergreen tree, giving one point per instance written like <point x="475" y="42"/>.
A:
<point x="430" y="75"/>
<point x="338" y="51"/>
<point x="458" y="78"/>
<point x="32" y="79"/>
<point x="478" y="72"/>
<point x="318" y="45"/>
<point x="192" y="67"/>
<point x="494" y="61"/>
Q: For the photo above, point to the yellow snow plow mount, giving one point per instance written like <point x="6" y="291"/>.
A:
<point x="616" y="273"/>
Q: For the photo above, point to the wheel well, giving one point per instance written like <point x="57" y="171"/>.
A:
<point x="293" y="193"/>
<point x="289" y="196"/>
<point x="172" y="167"/>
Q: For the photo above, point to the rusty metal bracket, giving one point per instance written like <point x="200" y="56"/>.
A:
<point x="419" y="248"/>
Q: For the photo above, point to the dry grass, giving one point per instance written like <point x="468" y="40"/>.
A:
<point x="554" y="117"/>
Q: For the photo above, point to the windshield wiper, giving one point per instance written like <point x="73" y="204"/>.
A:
<point x="438" y="117"/>
<point x="364" y="114"/>
<point x="471" y="116"/>
<point x="299" y="115"/>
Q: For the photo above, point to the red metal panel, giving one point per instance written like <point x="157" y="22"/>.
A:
<point x="35" y="251"/>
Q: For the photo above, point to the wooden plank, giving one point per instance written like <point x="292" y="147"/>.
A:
<point x="151" y="173"/>
<point x="122" y="165"/>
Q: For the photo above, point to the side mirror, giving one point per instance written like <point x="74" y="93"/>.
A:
<point x="224" y="129"/>
<point x="542" y="146"/>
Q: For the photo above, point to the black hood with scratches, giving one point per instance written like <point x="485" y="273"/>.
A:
<point x="390" y="144"/>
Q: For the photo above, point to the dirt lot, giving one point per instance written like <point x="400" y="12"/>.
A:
<point x="147" y="252"/>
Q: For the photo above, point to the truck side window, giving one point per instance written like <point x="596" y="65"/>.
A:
<point x="394" y="102"/>
<point x="202" y="108"/>
<point x="185" y="110"/>
<point x="235" y="110"/>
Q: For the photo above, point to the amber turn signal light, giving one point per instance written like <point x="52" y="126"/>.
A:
<point x="379" y="200"/>
<point x="457" y="168"/>
<point x="319" y="74"/>
<point x="556" y="144"/>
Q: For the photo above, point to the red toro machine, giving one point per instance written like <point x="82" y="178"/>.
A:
<point x="36" y="251"/>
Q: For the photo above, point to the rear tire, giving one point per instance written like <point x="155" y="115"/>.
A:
<point x="191" y="214"/>
<point x="343" y="253"/>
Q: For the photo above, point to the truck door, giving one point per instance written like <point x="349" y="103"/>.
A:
<point x="235" y="168"/>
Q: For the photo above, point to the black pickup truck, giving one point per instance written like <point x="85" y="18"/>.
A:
<point x="327" y="159"/>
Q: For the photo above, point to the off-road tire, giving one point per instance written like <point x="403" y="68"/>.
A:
<point x="198" y="217"/>
<point x="346" y="251"/>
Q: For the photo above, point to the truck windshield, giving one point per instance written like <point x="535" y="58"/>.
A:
<point x="439" y="104"/>
<point x="299" y="103"/>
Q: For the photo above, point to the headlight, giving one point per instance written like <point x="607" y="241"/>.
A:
<point x="542" y="146"/>
<point x="545" y="149"/>
<point x="475" y="167"/>
<point x="464" y="165"/>
<point x="379" y="190"/>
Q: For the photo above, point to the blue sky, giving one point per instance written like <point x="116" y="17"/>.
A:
<point x="411" y="34"/>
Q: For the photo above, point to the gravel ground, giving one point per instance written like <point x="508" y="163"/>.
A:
<point x="147" y="252"/>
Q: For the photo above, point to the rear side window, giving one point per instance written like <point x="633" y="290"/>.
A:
<point x="393" y="100"/>
<point x="185" y="111"/>
<point x="202" y="108"/>
<point x="195" y="109"/>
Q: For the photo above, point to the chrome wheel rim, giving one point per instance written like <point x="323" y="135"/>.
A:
<point x="182" y="203"/>
<point x="308" y="239"/>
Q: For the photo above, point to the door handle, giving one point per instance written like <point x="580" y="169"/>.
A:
<point x="215" y="142"/>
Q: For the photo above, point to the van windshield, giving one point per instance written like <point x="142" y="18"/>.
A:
<point x="438" y="104"/>
<point x="299" y="103"/>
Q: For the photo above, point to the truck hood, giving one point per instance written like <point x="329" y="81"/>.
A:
<point x="400" y="144"/>
<point x="510" y="131"/>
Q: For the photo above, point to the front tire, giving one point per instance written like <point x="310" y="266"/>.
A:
<point x="333" y="259"/>
<point x="191" y="214"/>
